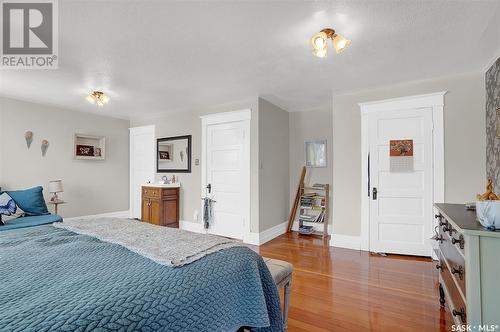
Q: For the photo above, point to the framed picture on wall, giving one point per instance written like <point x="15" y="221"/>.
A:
<point x="315" y="153"/>
<point x="166" y="152"/>
<point x="89" y="147"/>
<point x="173" y="154"/>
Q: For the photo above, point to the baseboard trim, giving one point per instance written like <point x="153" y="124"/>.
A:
<point x="252" y="238"/>
<point x="273" y="232"/>
<point x="345" y="241"/>
<point x="116" y="214"/>
<point x="191" y="226"/>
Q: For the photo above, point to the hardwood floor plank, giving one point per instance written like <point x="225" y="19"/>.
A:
<point x="335" y="289"/>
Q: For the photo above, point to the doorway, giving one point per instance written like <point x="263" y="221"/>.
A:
<point x="226" y="171"/>
<point x="398" y="192"/>
<point x="142" y="163"/>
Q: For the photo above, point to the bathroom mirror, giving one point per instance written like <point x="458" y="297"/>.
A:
<point x="173" y="154"/>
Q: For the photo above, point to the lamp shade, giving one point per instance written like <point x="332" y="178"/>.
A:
<point x="55" y="186"/>
<point x="340" y="43"/>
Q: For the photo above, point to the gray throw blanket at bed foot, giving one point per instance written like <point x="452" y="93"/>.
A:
<point x="164" y="245"/>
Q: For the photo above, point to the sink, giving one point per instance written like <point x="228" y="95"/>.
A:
<point x="161" y="185"/>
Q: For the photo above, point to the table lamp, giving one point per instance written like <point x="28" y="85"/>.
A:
<point x="54" y="188"/>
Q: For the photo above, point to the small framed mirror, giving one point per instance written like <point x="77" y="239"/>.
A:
<point x="315" y="153"/>
<point x="173" y="154"/>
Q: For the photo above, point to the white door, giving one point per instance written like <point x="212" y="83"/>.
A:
<point x="226" y="169"/>
<point x="142" y="164"/>
<point x="401" y="209"/>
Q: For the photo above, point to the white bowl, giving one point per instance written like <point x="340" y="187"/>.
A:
<point x="488" y="213"/>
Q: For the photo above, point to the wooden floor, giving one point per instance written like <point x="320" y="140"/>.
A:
<point x="336" y="289"/>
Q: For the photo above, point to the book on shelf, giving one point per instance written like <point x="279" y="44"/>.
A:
<point x="313" y="218"/>
<point x="306" y="229"/>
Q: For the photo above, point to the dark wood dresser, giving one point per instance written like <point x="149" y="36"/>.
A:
<point x="469" y="267"/>
<point x="160" y="205"/>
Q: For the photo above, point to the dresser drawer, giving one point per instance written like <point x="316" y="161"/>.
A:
<point x="455" y="260"/>
<point x="457" y="239"/>
<point x="151" y="192"/>
<point x="169" y="192"/>
<point x="457" y="306"/>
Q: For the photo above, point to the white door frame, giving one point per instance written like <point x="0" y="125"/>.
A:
<point x="133" y="131"/>
<point x="432" y="100"/>
<point x="228" y="117"/>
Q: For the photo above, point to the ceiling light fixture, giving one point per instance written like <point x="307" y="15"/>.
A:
<point x="98" y="98"/>
<point x="319" y="42"/>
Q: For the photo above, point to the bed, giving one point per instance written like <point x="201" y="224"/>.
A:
<point x="56" y="279"/>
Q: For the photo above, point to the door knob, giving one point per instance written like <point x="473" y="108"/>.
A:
<point x="374" y="193"/>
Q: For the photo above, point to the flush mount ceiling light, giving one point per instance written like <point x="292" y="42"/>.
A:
<point x="98" y="98"/>
<point x="319" y="41"/>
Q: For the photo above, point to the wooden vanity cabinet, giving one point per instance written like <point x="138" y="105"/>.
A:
<point x="160" y="206"/>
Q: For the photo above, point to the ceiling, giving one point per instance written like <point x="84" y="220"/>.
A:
<point x="155" y="57"/>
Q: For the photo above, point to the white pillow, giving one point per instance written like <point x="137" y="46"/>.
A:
<point x="9" y="209"/>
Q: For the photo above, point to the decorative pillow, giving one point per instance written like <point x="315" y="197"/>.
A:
<point x="30" y="200"/>
<point x="9" y="209"/>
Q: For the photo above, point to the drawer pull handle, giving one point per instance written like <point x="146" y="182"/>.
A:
<point x="459" y="271"/>
<point x="440" y="218"/>
<point x="460" y="241"/>
<point x="438" y="238"/>
<point x="460" y="313"/>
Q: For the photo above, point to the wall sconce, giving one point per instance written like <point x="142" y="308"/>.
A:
<point x="319" y="42"/>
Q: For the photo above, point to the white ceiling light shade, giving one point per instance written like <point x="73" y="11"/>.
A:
<point x="98" y="98"/>
<point x="319" y="42"/>
<point x="340" y="43"/>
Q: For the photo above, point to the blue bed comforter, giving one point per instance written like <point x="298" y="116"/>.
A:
<point x="53" y="279"/>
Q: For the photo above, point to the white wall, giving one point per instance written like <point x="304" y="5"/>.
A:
<point x="464" y="121"/>
<point x="274" y="175"/>
<point x="310" y="125"/>
<point x="90" y="187"/>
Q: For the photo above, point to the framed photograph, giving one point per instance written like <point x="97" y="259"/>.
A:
<point x="401" y="147"/>
<point x="84" y="150"/>
<point x="173" y="154"/>
<point x="165" y="152"/>
<point x="89" y="147"/>
<point x="316" y="153"/>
